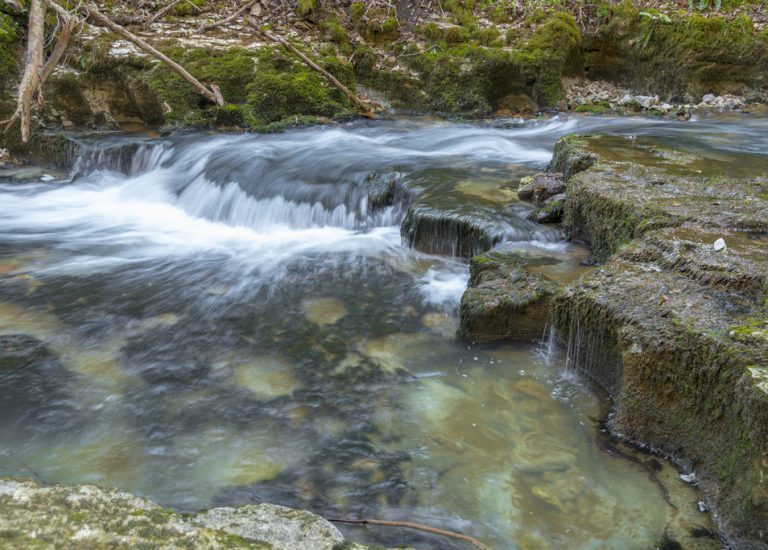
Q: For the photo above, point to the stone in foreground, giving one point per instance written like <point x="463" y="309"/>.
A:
<point x="503" y="301"/>
<point x="86" y="516"/>
<point x="284" y="528"/>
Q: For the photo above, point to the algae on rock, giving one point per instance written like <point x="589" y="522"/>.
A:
<point x="503" y="301"/>
<point x="658" y="324"/>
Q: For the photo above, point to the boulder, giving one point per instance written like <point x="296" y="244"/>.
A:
<point x="86" y="516"/>
<point x="503" y="301"/>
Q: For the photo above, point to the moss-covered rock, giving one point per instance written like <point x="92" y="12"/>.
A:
<point x="503" y="301"/>
<point x="667" y="323"/>
<point x="683" y="58"/>
<point x="86" y="516"/>
<point x="550" y="53"/>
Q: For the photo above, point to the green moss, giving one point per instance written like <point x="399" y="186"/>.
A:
<point x="335" y="31"/>
<point x="689" y="54"/>
<point x="9" y="50"/>
<point x="260" y="88"/>
<point x="594" y="109"/>
<point x="379" y="28"/>
<point x="545" y="56"/>
<point x="189" y="7"/>
<point x="284" y="88"/>
<point x="305" y="8"/>
<point x="356" y="11"/>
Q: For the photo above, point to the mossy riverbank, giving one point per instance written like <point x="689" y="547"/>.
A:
<point x="466" y="61"/>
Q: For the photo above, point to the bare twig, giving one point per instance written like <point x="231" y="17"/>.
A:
<point x="366" y="108"/>
<point x="162" y="12"/>
<point x="240" y="11"/>
<point x="94" y="16"/>
<point x="418" y="526"/>
<point x="58" y="50"/>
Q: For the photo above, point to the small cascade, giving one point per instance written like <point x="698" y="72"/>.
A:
<point x="591" y="345"/>
<point x="130" y="158"/>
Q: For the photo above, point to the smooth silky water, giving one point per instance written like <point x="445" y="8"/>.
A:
<point x="240" y="325"/>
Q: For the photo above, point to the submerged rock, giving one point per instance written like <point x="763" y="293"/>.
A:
<point x="662" y="323"/>
<point x="33" y="382"/>
<point x="503" y="301"/>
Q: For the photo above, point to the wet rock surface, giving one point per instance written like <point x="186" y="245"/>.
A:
<point x="672" y="324"/>
<point x="503" y="301"/>
<point x="86" y="516"/>
<point x="436" y="231"/>
<point x="541" y="187"/>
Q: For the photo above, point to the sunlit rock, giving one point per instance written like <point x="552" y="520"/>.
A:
<point x="323" y="311"/>
<point x="266" y="377"/>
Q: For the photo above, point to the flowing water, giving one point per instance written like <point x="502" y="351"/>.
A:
<point x="236" y="321"/>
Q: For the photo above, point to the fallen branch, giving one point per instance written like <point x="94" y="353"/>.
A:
<point x="162" y="12"/>
<point x="418" y="526"/>
<point x="58" y="50"/>
<point x="94" y="16"/>
<point x="366" y="109"/>
<point x="30" y="82"/>
<point x="240" y="11"/>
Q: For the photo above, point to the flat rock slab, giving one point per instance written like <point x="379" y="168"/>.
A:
<point x="87" y="516"/>
<point x="284" y="528"/>
<point x="675" y="322"/>
<point x="503" y="301"/>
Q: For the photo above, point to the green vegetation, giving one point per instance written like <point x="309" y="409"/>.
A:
<point x="546" y="56"/>
<point x="260" y="88"/>
<point x="9" y="48"/>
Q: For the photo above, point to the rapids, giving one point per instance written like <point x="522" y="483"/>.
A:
<point x="243" y="323"/>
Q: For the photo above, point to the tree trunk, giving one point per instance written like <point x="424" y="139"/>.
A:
<point x="30" y="82"/>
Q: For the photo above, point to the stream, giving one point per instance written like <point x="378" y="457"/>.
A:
<point x="237" y="322"/>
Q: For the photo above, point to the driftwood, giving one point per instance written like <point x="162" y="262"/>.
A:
<point x="240" y="11"/>
<point x="418" y="526"/>
<point x="366" y="108"/>
<point x="33" y="69"/>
